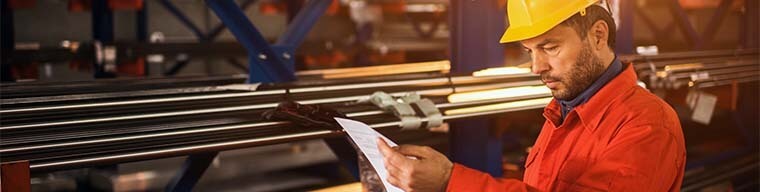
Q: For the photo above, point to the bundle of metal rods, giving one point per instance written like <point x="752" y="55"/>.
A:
<point x="62" y="131"/>
<point x="697" y="69"/>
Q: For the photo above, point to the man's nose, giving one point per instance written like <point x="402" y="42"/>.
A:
<point x="539" y="65"/>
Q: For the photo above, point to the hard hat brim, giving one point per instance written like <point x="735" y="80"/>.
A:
<point x="513" y="34"/>
<point x="519" y="33"/>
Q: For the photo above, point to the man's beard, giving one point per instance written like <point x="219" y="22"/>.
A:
<point x="582" y="74"/>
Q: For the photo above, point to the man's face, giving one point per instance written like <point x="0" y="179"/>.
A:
<point x="567" y="64"/>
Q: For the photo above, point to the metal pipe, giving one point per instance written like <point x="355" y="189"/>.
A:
<point x="234" y="144"/>
<point x="258" y="93"/>
<point x="251" y="107"/>
<point x="248" y="125"/>
<point x="156" y="153"/>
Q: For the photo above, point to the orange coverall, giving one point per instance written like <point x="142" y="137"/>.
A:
<point x="623" y="139"/>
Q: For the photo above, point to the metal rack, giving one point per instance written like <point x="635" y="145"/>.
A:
<point x="72" y="131"/>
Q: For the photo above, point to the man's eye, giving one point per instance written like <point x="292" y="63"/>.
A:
<point x="550" y="49"/>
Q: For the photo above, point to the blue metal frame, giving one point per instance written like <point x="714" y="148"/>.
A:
<point x="300" y="26"/>
<point x="141" y="31"/>
<point x="683" y="22"/>
<point x="750" y="37"/>
<point x="716" y="20"/>
<point x="102" y="30"/>
<point x="183" y="19"/>
<point x="208" y="37"/>
<point x="191" y="172"/>
<point x="203" y="37"/>
<point x="141" y="25"/>
<point x="178" y="65"/>
<point x="624" y="36"/>
<point x="8" y="41"/>
<point x="214" y="33"/>
<point x="346" y="154"/>
<point x="265" y="63"/>
<point x="476" y="27"/>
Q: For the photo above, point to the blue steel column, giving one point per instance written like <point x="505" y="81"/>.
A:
<point x="8" y="41"/>
<point x="300" y="26"/>
<point x="190" y="172"/>
<point x="214" y="32"/>
<point x="141" y="31"/>
<point x="751" y="25"/>
<point x="687" y="28"/>
<point x="624" y="39"/>
<point x="265" y="65"/>
<point x="183" y="19"/>
<point x="476" y="27"/>
<point x="102" y="30"/>
<point x="141" y="28"/>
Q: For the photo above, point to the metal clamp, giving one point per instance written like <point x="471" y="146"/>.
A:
<point x="428" y="108"/>
<point x="403" y="109"/>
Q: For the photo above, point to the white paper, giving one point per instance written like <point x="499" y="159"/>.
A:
<point x="704" y="107"/>
<point x="366" y="139"/>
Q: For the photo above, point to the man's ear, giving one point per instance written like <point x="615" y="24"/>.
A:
<point x="599" y="33"/>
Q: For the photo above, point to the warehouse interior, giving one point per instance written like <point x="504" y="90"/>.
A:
<point x="233" y="95"/>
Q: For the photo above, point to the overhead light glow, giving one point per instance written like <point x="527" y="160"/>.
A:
<point x="501" y="71"/>
<point x="540" y="102"/>
<point x="499" y="93"/>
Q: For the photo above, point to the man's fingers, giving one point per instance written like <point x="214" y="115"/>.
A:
<point x="394" y="181"/>
<point x="415" y="151"/>
<point x="393" y="170"/>
<point x="385" y="149"/>
<point x="390" y="155"/>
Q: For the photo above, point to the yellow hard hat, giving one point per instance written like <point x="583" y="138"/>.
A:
<point x="530" y="18"/>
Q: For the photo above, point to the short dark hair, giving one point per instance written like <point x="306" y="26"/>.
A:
<point x="581" y="24"/>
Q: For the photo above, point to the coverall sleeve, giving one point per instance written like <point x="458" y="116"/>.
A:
<point x="467" y="179"/>
<point x="641" y="158"/>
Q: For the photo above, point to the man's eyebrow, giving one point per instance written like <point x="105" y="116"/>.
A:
<point x="547" y="41"/>
<point x="523" y="46"/>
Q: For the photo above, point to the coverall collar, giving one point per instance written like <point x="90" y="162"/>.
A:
<point x="612" y="71"/>
<point x="591" y="112"/>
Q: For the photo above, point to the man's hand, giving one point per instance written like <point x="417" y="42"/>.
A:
<point x="429" y="172"/>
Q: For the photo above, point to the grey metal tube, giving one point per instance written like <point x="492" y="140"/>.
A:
<point x="248" y="107"/>
<point x="248" y="125"/>
<point x="240" y="143"/>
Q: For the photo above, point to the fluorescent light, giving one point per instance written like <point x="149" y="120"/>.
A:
<point x="501" y="71"/>
<point x="498" y="93"/>
<point x="500" y="106"/>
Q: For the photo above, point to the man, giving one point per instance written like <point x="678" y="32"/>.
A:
<point x="602" y="131"/>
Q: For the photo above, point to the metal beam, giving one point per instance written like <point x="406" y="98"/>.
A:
<point x="141" y="28"/>
<point x="183" y="19"/>
<point x="476" y="27"/>
<point x="716" y="20"/>
<point x="682" y="19"/>
<point x="303" y="22"/>
<point x="102" y="31"/>
<point x="192" y="170"/>
<point x="141" y="32"/>
<point x="751" y="25"/>
<point x="214" y="33"/>
<point x="265" y="64"/>
<point x="343" y="149"/>
<point x="7" y="41"/>
<point x="235" y="63"/>
<point x="624" y="38"/>
<point x="181" y="62"/>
